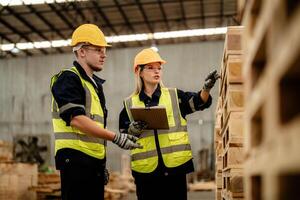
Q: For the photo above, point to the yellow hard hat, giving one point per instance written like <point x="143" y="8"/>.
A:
<point x="89" y="33"/>
<point x="147" y="56"/>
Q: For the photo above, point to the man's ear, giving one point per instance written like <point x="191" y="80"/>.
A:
<point x="81" y="52"/>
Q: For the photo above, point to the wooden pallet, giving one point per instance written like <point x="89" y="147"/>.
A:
<point x="219" y="163"/>
<point x="15" y="180"/>
<point x="233" y="182"/>
<point x="219" y="179"/>
<point x="272" y="165"/>
<point x="226" y="195"/>
<point x="232" y="132"/>
<point x="233" y="157"/>
<point x="218" y="195"/>
<point x="231" y="71"/>
<point x="234" y="101"/>
<point x="6" y="151"/>
<point x="233" y="41"/>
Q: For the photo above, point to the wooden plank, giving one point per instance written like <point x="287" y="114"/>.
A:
<point x="232" y="71"/>
<point x="233" y="181"/>
<point x="226" y="195"/>
<point x="217" y="135"/>
<point x="201" y="186"/>
<point x="233" y="41"/>
<point x="233" y="157"/>
<point x="234" y="99"/>
<point x="232" y="133"/>
<point x="219" y="163"/>
<point x="218" y="195"/>
<point x="218" y="178"/>
<point x="15" y="180"/>
<point x="6" y="151"/>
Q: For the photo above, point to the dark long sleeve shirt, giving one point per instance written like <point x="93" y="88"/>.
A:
<point x="68" y="89"/>
<point x="189" y="102"/>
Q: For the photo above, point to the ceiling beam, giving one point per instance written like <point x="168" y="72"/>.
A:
<point x="9" y="40"/>
<point x="142" y="22"/>
<point x="144" y="16"/>
<point x="47" y="22"/>
<point x="88" y="7"/>
<point x="31" y="27"/>
<point x="183" y="14"/>
<point x="104" y="17"/>
<point x="62" y="17"/>
<point x="202" y="13"/>
<point x="78" y="11"/>
<point x="221" y="12"/>
<point x="106" y="20"/>
<point x="163" y="12"/>
<point x="9" y="26"/>
<point x="128" y="24"/>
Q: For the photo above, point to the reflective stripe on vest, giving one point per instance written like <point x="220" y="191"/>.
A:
<point x="70" y="137"/>
<point x="174" y="143"/>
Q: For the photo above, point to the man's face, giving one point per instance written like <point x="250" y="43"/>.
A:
<point x="95" y="57"/>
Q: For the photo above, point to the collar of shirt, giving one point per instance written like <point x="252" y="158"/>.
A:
<point x="154" y="99"/>
<point x="83" y="74"/>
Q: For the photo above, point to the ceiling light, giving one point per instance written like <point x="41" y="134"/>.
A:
<point x="7" y="47"/>
<point x="121" y="38"/>
<point x="15" y="50"/>
<point x="43" y="44"/>
<point x="25" y="45"/>
<point x="60" y="43"/>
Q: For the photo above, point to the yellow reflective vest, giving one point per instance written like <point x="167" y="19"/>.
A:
<point x="174" y="143"/>
<point x="71" y="137"/>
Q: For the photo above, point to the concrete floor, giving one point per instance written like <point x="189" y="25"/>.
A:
<point x="205" y="195"/>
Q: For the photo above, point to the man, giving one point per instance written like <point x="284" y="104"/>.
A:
<point x="79" y="119"/>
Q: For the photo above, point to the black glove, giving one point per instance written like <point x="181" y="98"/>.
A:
<point x="136" y="128"/>
<point x="210" y="80"/>
<point x="126" y="141"/>
<point x="105" y="176"/>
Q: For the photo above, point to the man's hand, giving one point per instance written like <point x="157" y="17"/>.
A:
<point x="136" y="127"/>
<point x="210" y="80"/>
<point x="126" y="141"/>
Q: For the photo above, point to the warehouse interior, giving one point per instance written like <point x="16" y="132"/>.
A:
<point x="245" y="145"/>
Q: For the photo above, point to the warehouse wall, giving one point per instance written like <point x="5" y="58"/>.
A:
<point x="25" y="98"/>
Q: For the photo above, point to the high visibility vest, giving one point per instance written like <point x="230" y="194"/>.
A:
<point x="71" y="137"/>
<point x="174" y="143"/>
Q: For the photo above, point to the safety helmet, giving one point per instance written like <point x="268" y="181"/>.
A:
<point x="89" y="33"/>
<point x="147" y="56"/>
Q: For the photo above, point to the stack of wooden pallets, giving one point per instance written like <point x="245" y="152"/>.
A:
<point x="272" y="112"/>
<point x="15" y="178"/>
<point x="49" y="186"/>
<point x="229" y="120"/>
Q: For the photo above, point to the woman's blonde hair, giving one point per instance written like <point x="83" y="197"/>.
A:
<point x="139" y="82"/>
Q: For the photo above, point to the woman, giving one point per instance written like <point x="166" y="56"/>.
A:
<point x="160" y="167"/>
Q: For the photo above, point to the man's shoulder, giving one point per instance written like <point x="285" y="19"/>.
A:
<point x="66" y="78"/>
<point x="68" y="74"/>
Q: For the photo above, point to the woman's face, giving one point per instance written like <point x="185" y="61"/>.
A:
<point x="152" y="73"/>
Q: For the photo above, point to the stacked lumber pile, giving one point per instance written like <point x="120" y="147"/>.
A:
<point x="15" y="178"/>
<point x="272" y="112"/>
<point x="6" y="151"/>
<point x="118" y="187"/>
<point x="120" y="184"/>
<point x="48" y="186"/>
<point x="229" y="120"/>
<point x="202" y="186"/>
